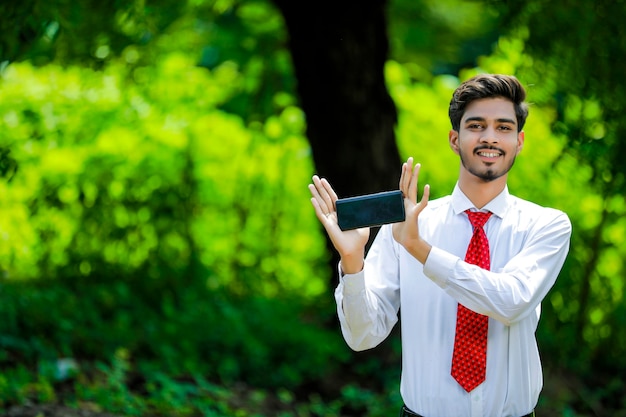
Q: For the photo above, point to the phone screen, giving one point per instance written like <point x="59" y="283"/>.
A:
<point x="370" y="210"/>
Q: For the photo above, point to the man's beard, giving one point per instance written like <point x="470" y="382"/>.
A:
<point x="488" y="175"/>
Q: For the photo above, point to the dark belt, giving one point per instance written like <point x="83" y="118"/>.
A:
<point x="408" y="413"/>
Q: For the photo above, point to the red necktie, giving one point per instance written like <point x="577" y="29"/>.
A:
<point x="469" y="360"/>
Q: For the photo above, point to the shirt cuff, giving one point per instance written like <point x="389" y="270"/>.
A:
<point x="439" y="266"/>
<point x="352" y="283"/>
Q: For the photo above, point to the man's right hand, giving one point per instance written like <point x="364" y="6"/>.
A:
<point x="349" y="243"/>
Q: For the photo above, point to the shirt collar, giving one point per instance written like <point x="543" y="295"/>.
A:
<point x="497" y="206"/>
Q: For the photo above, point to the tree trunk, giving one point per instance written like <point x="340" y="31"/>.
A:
<point x="339" y="51"/>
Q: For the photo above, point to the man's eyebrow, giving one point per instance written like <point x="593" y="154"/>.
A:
<point x="482" y="119"/>
<point x="474" y="119"/>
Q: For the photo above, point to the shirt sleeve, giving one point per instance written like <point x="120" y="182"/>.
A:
<point x="515" y="291"/>
<point x="368" y="302"/>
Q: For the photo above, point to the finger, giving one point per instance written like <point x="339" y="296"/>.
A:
<point x="406" y="175"/>
<point x="320" y="192"/>
<point x="401" y="182"/>
<point x="319" y="212"/>
<point x="331" y="194"/>
<point x="413" y="183"/>
<point x="318" y="202"/>
<point x="313" y="188"/>
<point x="424" y="201"/>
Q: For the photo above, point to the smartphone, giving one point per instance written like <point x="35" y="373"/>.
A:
<point x="370" y="210"/>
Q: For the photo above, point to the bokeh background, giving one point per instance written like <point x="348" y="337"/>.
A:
<point x="159" y="255"/>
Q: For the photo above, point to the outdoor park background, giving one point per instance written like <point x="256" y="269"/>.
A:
<point x="158" y="249"/>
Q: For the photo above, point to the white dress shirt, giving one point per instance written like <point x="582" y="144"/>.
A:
<point x="528" y="245"/>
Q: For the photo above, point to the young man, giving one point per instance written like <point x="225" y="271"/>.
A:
<point x="469" y="270"/>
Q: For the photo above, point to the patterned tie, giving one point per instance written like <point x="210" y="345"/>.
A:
<point x="469" y="359"/>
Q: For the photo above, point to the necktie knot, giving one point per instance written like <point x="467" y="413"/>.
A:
<point x="478" y="218"/>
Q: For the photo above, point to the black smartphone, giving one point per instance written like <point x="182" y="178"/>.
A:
<point x="370" y="210"/>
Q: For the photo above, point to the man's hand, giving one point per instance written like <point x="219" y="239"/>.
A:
<point x="407" y="232"/>
<point x="350" y="243"/>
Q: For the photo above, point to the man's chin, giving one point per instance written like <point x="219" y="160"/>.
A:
<point x="488" y="175"/>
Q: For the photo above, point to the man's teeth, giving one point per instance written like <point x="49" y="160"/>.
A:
<point x="489" y="154"/>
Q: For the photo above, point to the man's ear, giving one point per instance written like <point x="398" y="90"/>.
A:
<point x="520" y="142"/>
<point x="453" y="139"/>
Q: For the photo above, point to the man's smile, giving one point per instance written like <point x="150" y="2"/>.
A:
<point x="490" y="153"/>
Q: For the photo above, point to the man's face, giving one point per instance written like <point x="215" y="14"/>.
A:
<point x="487" y="141"/>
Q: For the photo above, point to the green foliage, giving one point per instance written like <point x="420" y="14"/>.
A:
<point x="117" y="176"/>
<point x="18" y="384"/>
<point x="441" y="36"/>
<point x="136" y="203"/>
<point x="192" y="332"/>
<point x="87" y="30"/>
<point x="247" y="34"/>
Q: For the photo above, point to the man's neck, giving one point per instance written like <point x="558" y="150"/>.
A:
<point x="481" y="192"/>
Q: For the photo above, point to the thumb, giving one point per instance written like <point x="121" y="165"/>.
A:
<point x="424" y="201"/>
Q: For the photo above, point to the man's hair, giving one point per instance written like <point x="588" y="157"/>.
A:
<point x="488" y="86"/>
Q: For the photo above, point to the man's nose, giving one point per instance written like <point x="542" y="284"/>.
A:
<point x="489" y="135"/>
